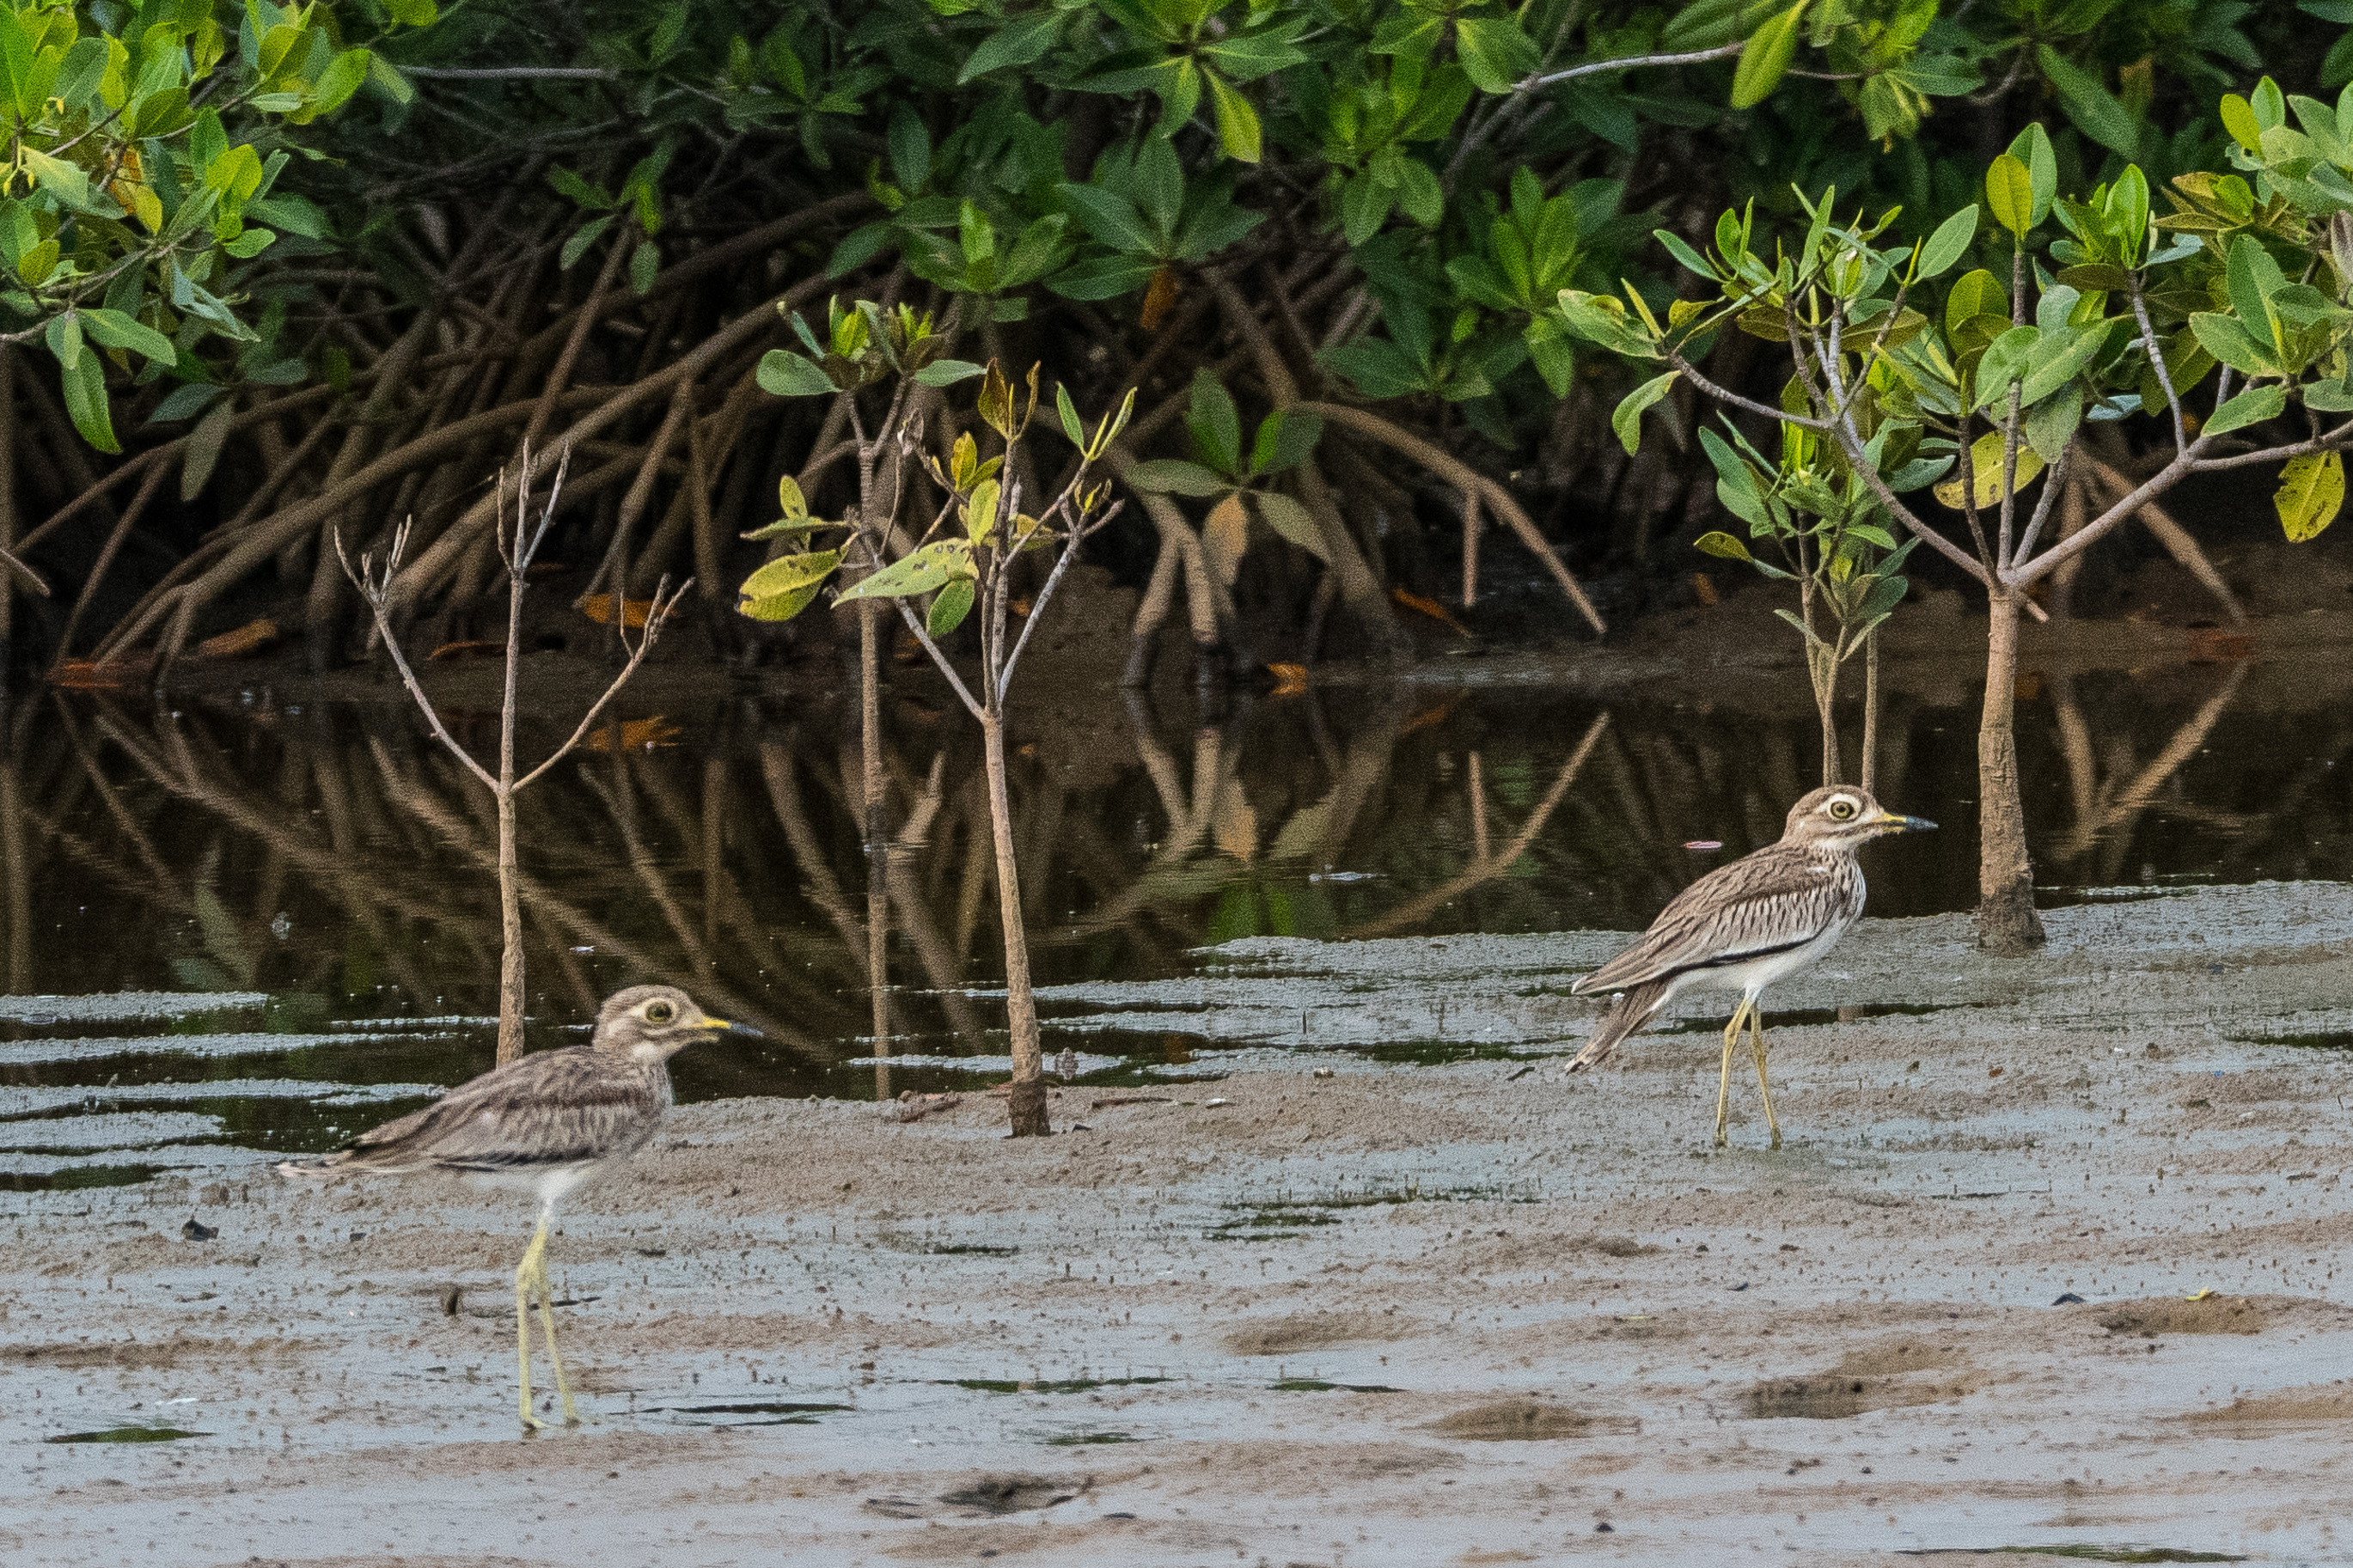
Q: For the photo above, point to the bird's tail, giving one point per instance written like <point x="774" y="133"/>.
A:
<point x="1629" y="1010"/>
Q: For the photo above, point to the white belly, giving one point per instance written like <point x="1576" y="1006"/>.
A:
<point x="1756" y="974"/>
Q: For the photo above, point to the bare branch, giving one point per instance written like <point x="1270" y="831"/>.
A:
<point x="656" y="613"/>
<point x="1038" y="605"/>
<point x="377" y="592"/>
<point x="2156" y="362"/>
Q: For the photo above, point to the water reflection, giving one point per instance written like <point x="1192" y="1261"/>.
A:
<point x="333" y="861"/>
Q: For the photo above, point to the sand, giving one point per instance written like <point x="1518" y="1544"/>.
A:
<point x="2048" y="1261"/>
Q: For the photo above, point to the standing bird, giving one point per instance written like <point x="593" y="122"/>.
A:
<point x="547" y="1124"/>
<point x="1744" y="926"/>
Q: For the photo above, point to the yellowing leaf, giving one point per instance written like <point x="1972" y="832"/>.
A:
<point x="2009" y="195"/>
<point x="1985" y="459"/>
<point x="2311" y="491"/>
<point x="598" y="607"/>
<point x="1225" y="536"/>
<point x="248" y="638"/>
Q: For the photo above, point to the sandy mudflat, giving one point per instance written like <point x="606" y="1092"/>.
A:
<point x="1409" y="1314"/>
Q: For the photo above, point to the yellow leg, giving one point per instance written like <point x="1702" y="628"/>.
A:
<point x="555" y="1356"/>
<point x="523" y="1272"/>
<point x="1756" y="1043"/>
<point x="1724" y="1078"/>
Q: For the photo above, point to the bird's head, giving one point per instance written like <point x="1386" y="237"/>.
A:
<point x="654" y="1023"/>
<point x="1844" y="817"/>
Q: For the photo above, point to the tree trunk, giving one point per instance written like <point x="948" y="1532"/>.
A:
<point x="1869" y="775"/>
<point x="878" y="847"/>
<point x="2007" y="923"/>
<point x="510" y="982"/>
<point x="510" y="993"/>
<point x="1026" y="1102"/>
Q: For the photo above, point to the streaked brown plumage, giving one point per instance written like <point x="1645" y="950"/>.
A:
<point x="1743" y="926"/>
<point x="548" y="1124"/>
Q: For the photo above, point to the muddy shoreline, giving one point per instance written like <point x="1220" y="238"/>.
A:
<point x="1462" y="1313"/>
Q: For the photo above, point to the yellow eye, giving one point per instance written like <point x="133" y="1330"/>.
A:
<point x="659" y="1012"/>
<point x="1843" y="809"/>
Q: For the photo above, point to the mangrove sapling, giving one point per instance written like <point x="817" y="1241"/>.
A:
<point x="516" y="547"/>
<point x="2001" y="384"/>
<point x="961" y="561"/>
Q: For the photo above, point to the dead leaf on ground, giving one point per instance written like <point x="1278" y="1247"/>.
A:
<point x="634" y="735"/>
<point x="1290" y="679"/>
<point x="598" y="607"/>
<point x="255" y="634"/>
<point x="1431" y="608"/>
<point x="473" y="649"/>
<point x="101" y="675"/>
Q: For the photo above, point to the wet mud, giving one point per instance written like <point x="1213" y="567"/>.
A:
<point x="2047" y="1268"/>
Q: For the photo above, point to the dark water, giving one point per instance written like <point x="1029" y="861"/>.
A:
<point x="323" y="874"/>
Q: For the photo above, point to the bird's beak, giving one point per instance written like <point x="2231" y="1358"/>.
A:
<point x="744" y="1029"/>
<point x="1889" y="822"/>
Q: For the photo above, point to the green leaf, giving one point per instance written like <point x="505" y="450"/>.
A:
<point x="64" y="336"/>
<point x="1985" y="471"/>
<point x="114" y="329"/>
<point x="413" y="13"/>
<point x="1069" y="413"/>
<point x="918" y="572"/>
<point x="2052" y="424"/>
<point x="2227" y="341"/>
<point x="1949" y="243"/>
<point x="1979" y="293"/>
<point x="62" y="179"/>
<point x="1174" y="476"/>
<point x="783" y="374"/>
<point x="2096" y="110"/>
<point x="950" y="607"/>
<point x="786" y="572"/>
<point x="2238" y="119"/>
<point x="1494" y="53"/>
<point x="183" y="401"/>
<point x="1767" y="54"/>
<point x="1238" y="127"/>
<point x="1724" y="545"/>
<point x="1283" y="441"/>
<point x="980" y="511"/>
<point x="203" y="450"/>
<point x="2251" y="407"/>
<point x="1019" y="43"/>
<point x="645" y="260"/>
<point x="2009" y="195"/>
<point x="18" y="64"/>
<point x="582" y="239"/>
<point x="1215" y="427"/>
<point x="1626" y="421"/>
<point x="2311" y="492"/>
<point x="1294" y="521"/>
<point x="947" y="372"/>
<point x="86" y="405"/>
<point x="342" y="79"/>
<point x="2032" y="147"/>
<point x="2254" y="277"/>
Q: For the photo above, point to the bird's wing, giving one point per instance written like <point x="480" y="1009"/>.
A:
<point x="551" y="1108"/>
<point x="1764" y="904"/>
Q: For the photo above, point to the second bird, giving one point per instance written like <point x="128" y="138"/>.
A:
<point x="1744" y="926"/>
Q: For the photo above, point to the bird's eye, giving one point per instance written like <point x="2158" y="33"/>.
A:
<point x="659" y="1012"/>
<point x="1843" y="809"/>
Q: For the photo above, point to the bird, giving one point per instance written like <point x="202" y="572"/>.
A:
<point x="547" y="1123"/>
<point x="1744" y="926"/>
